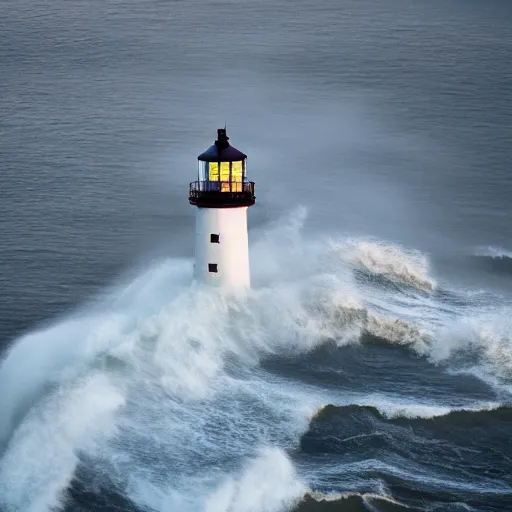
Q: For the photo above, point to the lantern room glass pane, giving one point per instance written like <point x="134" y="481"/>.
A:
<point x="213" y="171"/>
<point x="224" y="171"/>
<point x="236" y="171"/>
<point x="202" y="171"/>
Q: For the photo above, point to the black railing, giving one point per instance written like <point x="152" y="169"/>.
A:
<point x="221" y="194"/>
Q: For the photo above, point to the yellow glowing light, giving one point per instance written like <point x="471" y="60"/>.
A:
<point x="224" y="171"/>
<point x="236" y="171"/>
<point x="214" y="171"/>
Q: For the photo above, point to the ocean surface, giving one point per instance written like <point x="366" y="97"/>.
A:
<point x="370" y="366"/>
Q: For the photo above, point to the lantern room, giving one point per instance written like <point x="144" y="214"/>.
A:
<point x="222" y="177"/>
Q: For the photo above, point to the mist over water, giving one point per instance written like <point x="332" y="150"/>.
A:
<point x="370" y="365"/>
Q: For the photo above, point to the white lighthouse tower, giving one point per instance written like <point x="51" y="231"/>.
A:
<point x="222" y="195"/>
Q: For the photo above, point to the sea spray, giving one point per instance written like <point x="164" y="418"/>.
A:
<point x="200" y="411"/>
<point x="268" y="483"/>
<point x="390" y="261"/>
<point x="41" y="458"/>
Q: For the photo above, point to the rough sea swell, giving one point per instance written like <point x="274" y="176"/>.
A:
<point x="161" y="396"/>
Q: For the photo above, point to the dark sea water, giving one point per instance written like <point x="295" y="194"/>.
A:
<point x="370" y="366"/>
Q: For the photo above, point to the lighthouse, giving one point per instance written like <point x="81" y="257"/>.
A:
<point x="222" y="195"/>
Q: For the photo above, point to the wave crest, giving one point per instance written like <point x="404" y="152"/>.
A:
<point x="268" y="484"/>
<point x="388" y="261"/>
<point x="493" y="252"/>
<point x="483" y="340"/>
<point x="410" y="412"/>
<point x="396" y="331"/>
<point x="493" y="259"/>
<point x="349" y="502"/>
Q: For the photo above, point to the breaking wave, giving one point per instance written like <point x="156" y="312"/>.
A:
<point x="348" y="502"/>
<point x="388" y="261"/>
<point x="42" y="456"/>
<point x="420" y="413"/>
<point x="269" y="483"/>
<point x="396" y="331"/>
<point x="481" y="342"/>
<point x="494" y="259"/>
<point x="493" y="252"/>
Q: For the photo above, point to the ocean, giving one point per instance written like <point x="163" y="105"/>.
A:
<point x="370" y="365"/>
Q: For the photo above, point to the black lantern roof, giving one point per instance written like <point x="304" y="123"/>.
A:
<point x="221" y="151"/>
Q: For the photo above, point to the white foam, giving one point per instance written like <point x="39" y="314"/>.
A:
<point x="392" y="407"/>
<point x="59" y="353"/>
<point x="426" y="411"/>
<point x="42" y="455"/>
<point x="269" y="483"/>
<point x="366" y="497"/>
<point x="46" y="358"/>
<point x="493" y="252"/>
<point x="486" y="335"/>
<point x="399" y="331"/>
<point x="391" y="261"/>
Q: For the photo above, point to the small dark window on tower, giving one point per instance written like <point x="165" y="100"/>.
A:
<point x="212" y="267"/>
<point x="214" y="239"/>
